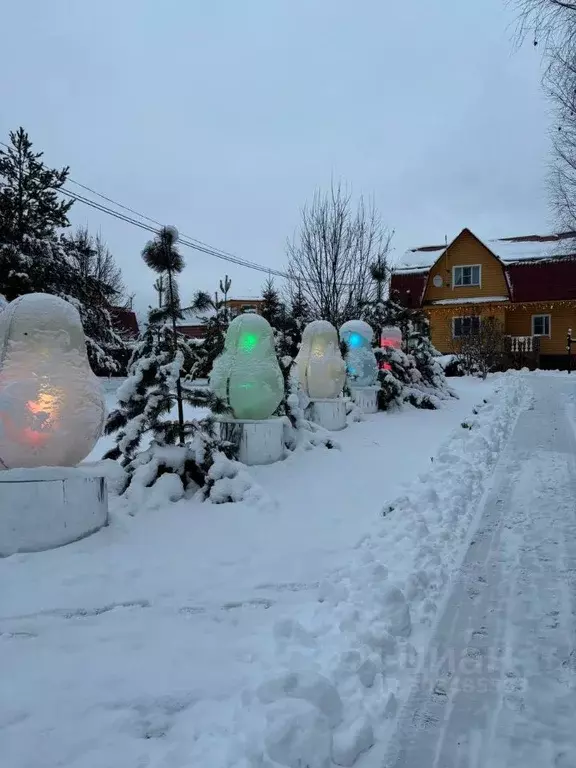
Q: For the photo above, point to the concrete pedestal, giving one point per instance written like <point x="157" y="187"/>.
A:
<point x="330" y="414"/>
<point x="47" y="507"/>
<point x="257" y="441"/>
<point x="366" y="398"/>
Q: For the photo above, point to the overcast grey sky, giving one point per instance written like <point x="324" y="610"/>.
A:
<point x="223" y="116"/>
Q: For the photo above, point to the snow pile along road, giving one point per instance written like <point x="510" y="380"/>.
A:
<point x="339" y="671"/>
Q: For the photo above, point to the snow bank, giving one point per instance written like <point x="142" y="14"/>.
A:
<point x="339" y="670"/>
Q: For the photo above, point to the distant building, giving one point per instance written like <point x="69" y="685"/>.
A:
<point x="125" y="321"/>
<point x="528" y="283"/>
<point x="195" y="326"/>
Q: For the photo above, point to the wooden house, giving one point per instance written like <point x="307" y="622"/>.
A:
<point x="527" y="283"/>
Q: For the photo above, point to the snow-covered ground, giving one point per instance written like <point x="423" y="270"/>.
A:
<point x="286" y="631"/>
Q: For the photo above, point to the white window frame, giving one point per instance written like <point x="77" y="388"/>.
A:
<point x="543" y="335"/>
<point x="462" y="317"/>
<point x="466" y="266"/>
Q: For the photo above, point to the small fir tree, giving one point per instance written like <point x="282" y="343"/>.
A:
<point x="162" y="256"/>
<point x="271" y="307"/>
<point x="145" y="403"/>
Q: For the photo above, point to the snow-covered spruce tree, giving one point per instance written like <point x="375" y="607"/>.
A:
<point x="31" y="213"/>
<point x="34" y="257"/>
<point x="164" y="258"/>
<point x="271" y="307"/>
<point x="145" y="402"/>
<point x="188" y="448"/>
<point x="415" y="368"/>
<point x="29" y="202"/>
<point x="401" y="381"/>
<point x="425" y="355"/>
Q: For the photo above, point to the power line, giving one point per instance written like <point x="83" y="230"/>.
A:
<point x="182" y="239"/>
<point x="187" y="240"/>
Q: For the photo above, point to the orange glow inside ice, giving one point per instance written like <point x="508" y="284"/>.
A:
<point x="46" y="403"/>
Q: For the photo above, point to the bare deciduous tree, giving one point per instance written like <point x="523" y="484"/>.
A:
<point x="94" y="260"/>
<point x="330" y="259"/>
<point x="482" y="351"/>
<point x="552" y="23"/>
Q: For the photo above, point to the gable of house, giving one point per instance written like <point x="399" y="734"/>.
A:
<point x="464" y="254"/>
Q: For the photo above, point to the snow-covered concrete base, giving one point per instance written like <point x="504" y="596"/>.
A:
<point x="258" y="442"/>
<point x="366" y="398"/>
<point x="330" y="414"/>
<point x="47" y="507"/>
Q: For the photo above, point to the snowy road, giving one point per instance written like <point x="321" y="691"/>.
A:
<point x="497" y="688"/>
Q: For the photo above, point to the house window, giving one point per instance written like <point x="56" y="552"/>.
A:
<point x="465" y="326"/>
<point x="467" y="276"/>
<point x="540" y="325"/>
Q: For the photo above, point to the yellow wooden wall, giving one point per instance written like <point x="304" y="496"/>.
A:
<point x="515" y="318"/>
<point x="466" y="249"/>
<point x="519" y="323"/>
<point x="441" y="322"/>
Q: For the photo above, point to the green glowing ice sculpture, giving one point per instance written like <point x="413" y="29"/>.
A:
<point x="247" y="375"/>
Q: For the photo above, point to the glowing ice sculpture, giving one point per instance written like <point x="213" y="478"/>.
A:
<point x="361" y="365"/>
<point x="321" y="369"/>
<point x="51" y="404"/>
<point x="391" y="337"/>
<point x="247" y="375"/>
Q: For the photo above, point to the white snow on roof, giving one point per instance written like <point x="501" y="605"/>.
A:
<point x="521" y="251"/>
<point x="509" y="251"/>
<point x="418" y="261"/>
<point x="472" y="300"/>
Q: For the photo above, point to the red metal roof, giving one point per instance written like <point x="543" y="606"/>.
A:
<point x="546" y="280"/>
<point x="408" y="289"/>
<point x="551" y="279"/>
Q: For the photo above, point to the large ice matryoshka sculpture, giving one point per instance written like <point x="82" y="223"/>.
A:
<point x="247" y="375"/>
<point x="51" y="404"/>
<point x="361" y="365"/>
<point x="321" y="369"/>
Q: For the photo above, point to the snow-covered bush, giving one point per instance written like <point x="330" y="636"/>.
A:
<point x="145" y="401"/>
<point x="451" y="365"/>
<point x="401" y="381"/>
<point x="412" y="375"/>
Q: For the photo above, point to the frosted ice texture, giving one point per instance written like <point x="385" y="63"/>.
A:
<point x="51" y="404"/>
<point x="247" y="375"/>
<point x="361" y="365"/>
<point x="321" y="369"/>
